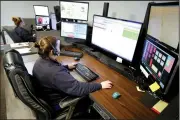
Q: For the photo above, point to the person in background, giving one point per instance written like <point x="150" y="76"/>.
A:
<point x="54" y="79"/>
<point x="40" y="20"/>
<point x="24" y="34"/>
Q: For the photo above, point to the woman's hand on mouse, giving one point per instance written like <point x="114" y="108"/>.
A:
<point x="72" y="66"/>
<point x="106" y="84"/>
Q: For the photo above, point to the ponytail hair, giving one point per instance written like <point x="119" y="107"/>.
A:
<point x="16" y="20"/>
<point x="44" y="45"/>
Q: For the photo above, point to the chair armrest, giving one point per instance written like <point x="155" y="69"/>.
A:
<point x="68" y="101"/>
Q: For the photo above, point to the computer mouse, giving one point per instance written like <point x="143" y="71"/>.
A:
<point x="76" y="58"/>
<point x="116" y="95"/>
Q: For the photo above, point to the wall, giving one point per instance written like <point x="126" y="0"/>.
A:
<point x="131" y="10"/>
<point x="21" y="8"/>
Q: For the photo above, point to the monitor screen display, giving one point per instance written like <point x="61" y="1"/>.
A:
<point x="41" y="20"/>
<point x="41" y="10"/>
<point x="74" y="10"/>
<point x="74" y="30"/>
<point x="158" y="61"/>
<point x="116" y="36"/>
<point x="163" y="24"/>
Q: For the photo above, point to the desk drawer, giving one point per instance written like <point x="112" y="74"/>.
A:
<point x="102" y="112"/>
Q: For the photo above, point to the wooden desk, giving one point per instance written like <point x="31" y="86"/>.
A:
<point x="128" y="106"/>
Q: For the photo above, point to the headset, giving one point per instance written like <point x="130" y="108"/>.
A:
<point x="55" y="51"/>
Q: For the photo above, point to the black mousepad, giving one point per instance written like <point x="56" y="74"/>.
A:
<point x="149" y="100"/>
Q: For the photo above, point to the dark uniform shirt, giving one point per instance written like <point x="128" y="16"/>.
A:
<point x="56" y="82"/>
<point x="24" y="34"/>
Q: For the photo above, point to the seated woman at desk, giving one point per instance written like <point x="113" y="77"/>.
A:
<point x="24" y="34"/>
<point x="55" y="79"/>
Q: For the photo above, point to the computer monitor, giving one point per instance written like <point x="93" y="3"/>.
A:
<point x="74" y="10"/>
<point x="164" y="23"/>
<point x="74" y="30"/>
<point x="159" y="62"/>
<point x="41" y="10"/>
<point x="116" y="36"/>
<point x="42" y="20"/>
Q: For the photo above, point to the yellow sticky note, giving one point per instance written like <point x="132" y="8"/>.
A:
<point x="160" y="106"/>
<point x="154" y="87"/>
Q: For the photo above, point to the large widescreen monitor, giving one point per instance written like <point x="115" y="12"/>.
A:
<point x="164" y="23"/>
<point x="74" y="10"/>
<point x="116" y="36"/>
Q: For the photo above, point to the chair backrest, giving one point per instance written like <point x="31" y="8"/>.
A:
<point x="22" y="84"/>
<point x="3" y="41"/>
<point x="13" y="35"/>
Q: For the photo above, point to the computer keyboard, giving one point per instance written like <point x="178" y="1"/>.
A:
<point x="71" y="54"/>
<point x="86" y="73"/>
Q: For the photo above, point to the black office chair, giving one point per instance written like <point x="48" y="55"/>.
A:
<point x="13" y="35"/>
<point x="3" y="37"/>
<point x="23" y="86"/>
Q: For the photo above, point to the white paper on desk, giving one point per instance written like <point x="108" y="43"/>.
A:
<point x="16" y="45"/>
<point x="29" y="66"/>
<point x="23" y="50"/>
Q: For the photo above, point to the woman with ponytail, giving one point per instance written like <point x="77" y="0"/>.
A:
<point x="54" y="78"/>
<point x="24" y="34"/>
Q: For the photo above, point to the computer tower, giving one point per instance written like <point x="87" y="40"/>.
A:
<point x="57" y="13"/>
<point x="53" y="21"/>
<point x="105" y="9"/>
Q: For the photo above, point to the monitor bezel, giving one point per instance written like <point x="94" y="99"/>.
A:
<point x="75" y="2"/>
<point x="174" y="67"/>
<point x="74" y="37"/>
<point x="42" y="24"/>
<point x="43" y="6"/>
<point x="102" y="49"/>
<point x="161" y="4"/>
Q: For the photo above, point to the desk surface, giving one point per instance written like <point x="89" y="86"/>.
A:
<point x="54" y="33"/>
<point x="128" y="106"/>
